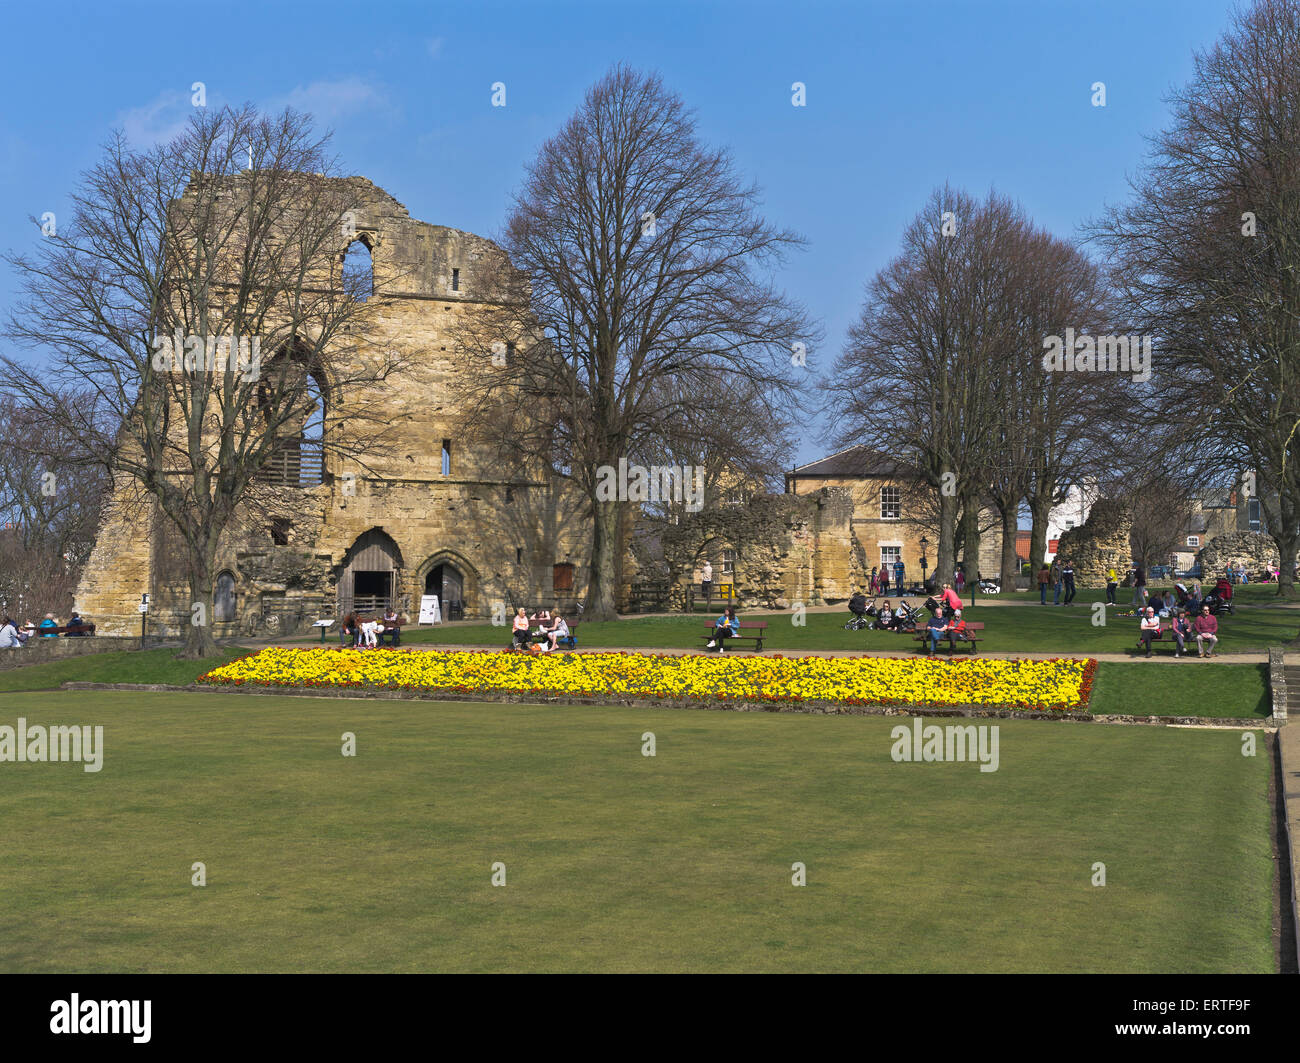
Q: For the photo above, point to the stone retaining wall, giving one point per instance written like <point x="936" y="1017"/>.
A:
<point x="39" y="651"/>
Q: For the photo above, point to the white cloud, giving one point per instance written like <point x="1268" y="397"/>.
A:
<point x="165" y="118"/>
<point x="333" y="99"/>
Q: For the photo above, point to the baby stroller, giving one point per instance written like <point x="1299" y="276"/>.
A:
<point x="905" y="617"/>
<point x="1220" y="599"/>
<point x="862" y="613"/>
<point x="990" y="586"/>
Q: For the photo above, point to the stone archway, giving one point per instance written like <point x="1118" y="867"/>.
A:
<point x="370" y="575"/>
<point x="454" y="580"/>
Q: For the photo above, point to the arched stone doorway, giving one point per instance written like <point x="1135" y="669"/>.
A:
<point x="453" y="580"/>
<point x="370" y="577"/>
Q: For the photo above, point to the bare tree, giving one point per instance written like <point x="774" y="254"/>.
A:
<point x="1207" y="254"/>
<point x="638" y="259"/>
<point x="198" y="292"/>
<point x="944" y="371"/>
<point x="49" y="511"/>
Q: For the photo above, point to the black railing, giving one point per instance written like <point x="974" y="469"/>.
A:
<point x="295" y="466"/>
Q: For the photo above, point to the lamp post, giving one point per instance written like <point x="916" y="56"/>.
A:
<point x="924" y="562"/>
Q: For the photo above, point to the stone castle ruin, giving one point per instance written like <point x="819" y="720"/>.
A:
<point x="431" y="514"/>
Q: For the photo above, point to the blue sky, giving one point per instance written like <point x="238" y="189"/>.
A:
<point x="901" y="97"/>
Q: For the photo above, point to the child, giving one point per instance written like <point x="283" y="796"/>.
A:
<point x="369" y="630"/>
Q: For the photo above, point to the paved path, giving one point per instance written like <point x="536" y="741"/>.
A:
<point x="1288" y="738"/>
<point x="1160" y="658"/>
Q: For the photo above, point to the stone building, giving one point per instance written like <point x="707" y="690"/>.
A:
<point x="891" y="511"/>
<point x="432" y="514"/>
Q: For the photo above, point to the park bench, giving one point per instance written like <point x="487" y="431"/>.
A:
<point x="79" y="629"/>
<point x="757" y="627"/>
<point x="1159" y="636"/>
<point x="973" y="635"/>
<point x="569" y="641"/>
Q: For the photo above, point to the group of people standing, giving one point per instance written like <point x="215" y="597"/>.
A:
<point x="879" y="582"/>
<point x="1059" y="575"/>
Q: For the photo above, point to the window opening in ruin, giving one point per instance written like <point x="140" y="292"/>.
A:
<point x="358" y="272"/>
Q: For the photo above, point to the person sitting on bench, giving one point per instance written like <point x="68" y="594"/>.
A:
<point x="391" y="628"/>
<point x="349" y="631"/>
<point x="1149" y="628"/>
<point x="1182" y="631"/>
<point x="935" y="628"/>
<point x="956" y="628"/>
<point x="727" y="626"/>
<point x="521" y="628"/>
<point x="559" y="629"/>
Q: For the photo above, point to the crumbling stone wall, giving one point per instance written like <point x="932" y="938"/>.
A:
<point x="1099" y="543"/>
<point x="789" y="548"/>
<point x="504" y="529"/>
<point x="1254" y="550"/>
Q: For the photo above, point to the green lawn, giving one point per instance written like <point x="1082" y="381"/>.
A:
<point x="119" y="666"/>
<point x="615" y="861"/>
<point x="1023" y="629"/>
<point x="1192" y="688"/>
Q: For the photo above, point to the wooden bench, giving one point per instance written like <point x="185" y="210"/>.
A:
<point x="1159" y="636"/>
<point x="758" y="627"/>
<point x="972" y="634"/>
<point x="79" y="629"/>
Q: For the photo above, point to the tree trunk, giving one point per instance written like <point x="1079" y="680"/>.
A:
<point x="199" y="642"/>
<point x="1287" y="545"/>
<point x="1039" y="509"/>
<point x="970" y="539"/>
<point x="946" y="552"/>
<point x="601" y="584"/>
<point x="1010" y="564"/>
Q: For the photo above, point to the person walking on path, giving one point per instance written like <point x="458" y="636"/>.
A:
<point x="1044" y="577"/>
<point x="898" y="574"/>
<point x="1139" y="587"/>
<point x="1067" y="575"/>
<point x="1056" y="582"/>
<point x="1112" y="582"/>
<point x="706" y="582"/>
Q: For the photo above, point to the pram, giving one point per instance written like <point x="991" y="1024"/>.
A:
<point x="863" y="614"/>
<point x="1220" y="599"/>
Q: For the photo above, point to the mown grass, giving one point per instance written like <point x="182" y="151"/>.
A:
<point x="617" y="861"/>
<point x="119" y="666"/>
<point x="1023" y="629"/>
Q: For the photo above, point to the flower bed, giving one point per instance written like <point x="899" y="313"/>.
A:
<point x="1060" y="684"/>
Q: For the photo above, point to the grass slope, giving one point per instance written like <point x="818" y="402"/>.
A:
<point x="615" y="861"/>
<point x="1022" y="629"/>
<point x="146" y="666"/>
